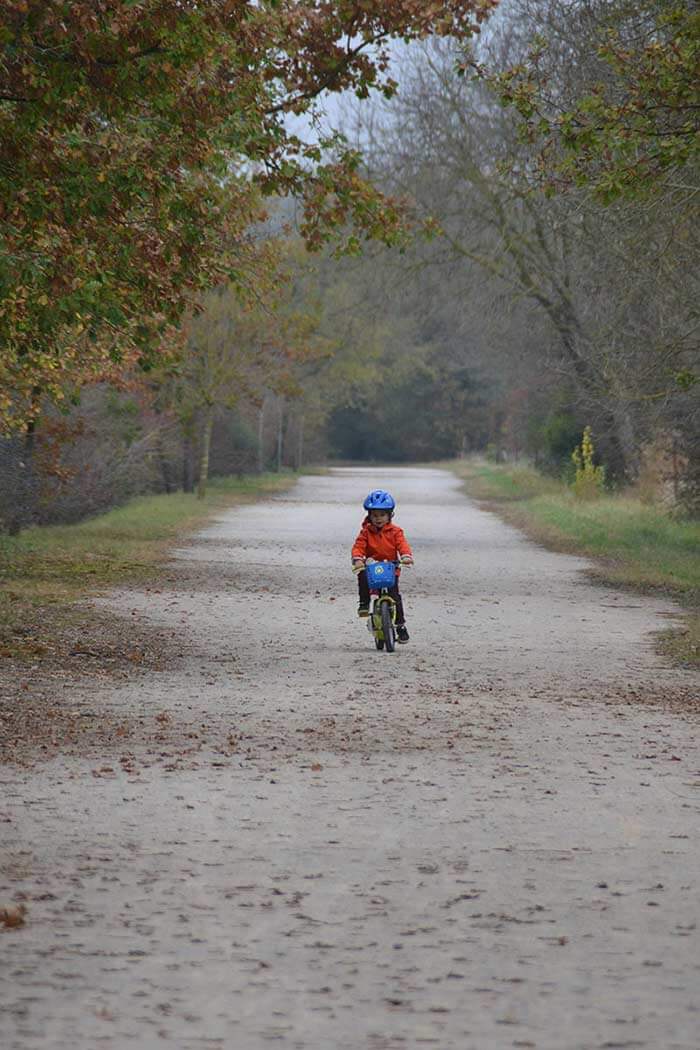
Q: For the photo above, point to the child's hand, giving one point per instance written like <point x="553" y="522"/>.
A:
<point x="358" y="564"/>
<point x="406" y="559"/>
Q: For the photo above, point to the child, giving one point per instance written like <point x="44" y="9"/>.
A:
<point x="381" y="540"/>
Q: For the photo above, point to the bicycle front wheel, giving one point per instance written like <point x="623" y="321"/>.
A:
<point x="387" y="627"/>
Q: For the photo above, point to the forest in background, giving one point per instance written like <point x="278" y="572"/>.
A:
<point x="495" y="255"/>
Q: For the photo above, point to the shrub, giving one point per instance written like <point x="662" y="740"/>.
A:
<point x="589" y="479"/>
<point x="554" y="439"/>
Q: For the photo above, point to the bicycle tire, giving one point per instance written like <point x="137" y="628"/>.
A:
<point x="387" y="627"/>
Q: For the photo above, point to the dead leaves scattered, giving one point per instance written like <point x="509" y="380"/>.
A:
<point x="12" y="915"/>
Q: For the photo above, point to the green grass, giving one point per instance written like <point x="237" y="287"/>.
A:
<point x="641" y="544"/>
<point x="486" y="481"/>
<point x="631" y="543"/>
<point x="52" y="566"/>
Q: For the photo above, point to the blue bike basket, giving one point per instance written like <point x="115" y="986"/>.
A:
<point x="381" y="574"/>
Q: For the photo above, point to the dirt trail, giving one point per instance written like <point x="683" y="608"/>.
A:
<point x="488" y="839"/>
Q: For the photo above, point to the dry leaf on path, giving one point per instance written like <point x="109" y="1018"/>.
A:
<point x="12" y="914"/>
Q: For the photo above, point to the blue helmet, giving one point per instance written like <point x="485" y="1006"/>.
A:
<point x="379" y="499"/>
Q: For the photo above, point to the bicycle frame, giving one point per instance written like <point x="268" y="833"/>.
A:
<point x="379" y="625"/>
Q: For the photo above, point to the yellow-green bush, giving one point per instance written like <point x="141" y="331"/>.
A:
<point x="589" y="480"/>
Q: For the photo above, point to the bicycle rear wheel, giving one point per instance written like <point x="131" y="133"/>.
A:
<point x="387" y="627"/>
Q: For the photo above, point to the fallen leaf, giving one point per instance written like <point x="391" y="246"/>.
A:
<point x="12" y="914"/>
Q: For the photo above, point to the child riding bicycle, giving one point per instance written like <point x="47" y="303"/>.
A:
<point x="381" y="540"/>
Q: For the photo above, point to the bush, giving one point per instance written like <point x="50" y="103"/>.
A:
<point x="554" y="440"/>
<point x="589" y="479"/>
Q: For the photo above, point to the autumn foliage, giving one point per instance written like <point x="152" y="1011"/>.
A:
<point x="138" y="139"/>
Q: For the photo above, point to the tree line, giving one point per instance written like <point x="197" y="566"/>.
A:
<point x="506" y="255"/>
<point x="140" y="140"/>
<point x="559" y="161"/>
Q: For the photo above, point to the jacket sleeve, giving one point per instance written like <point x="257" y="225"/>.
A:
<point x="402" y="544"/>
<point x="359" y="547"/>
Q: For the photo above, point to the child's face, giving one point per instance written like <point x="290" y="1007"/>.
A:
<point x="379" y="517"/>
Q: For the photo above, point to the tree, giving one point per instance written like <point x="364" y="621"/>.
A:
<point x="614" y="284"/>
<point x="136" y="137"/>
<point x="636" y="121"/>
<point x="405" y="379"/>
<point x="237" y="349"/>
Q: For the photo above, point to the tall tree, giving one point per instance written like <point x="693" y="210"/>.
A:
<point x="134" y="138"/>
<point x="237" y="350"/>
<point x="613" y="283"/>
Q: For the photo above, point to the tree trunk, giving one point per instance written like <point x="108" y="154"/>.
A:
<point x="187" y="462"/>
<point x="611" y="434"/>
<point x="163" y="463"/>
<point x="300" y="444"/>
<point x="204" y="459"/>
<point x="24" y="503"/>
<point x="626" y="441"/>
<point x="261" y="437"/>
<point x="280" y="434"/>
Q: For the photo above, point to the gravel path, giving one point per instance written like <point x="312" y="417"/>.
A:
<point x="486" y="840"/>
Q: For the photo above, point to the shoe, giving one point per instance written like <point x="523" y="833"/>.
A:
<point x="363" y="610"/>
<point x="402" y="634"/>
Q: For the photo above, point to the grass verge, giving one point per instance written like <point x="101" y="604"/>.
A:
<point x="631" y="543"/>
<point x="45" y="570"/>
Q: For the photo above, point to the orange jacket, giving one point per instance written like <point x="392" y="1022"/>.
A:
<point x="385" y="544"/>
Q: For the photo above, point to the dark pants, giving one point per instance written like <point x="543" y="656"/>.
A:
<point x="363" y="588"/>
